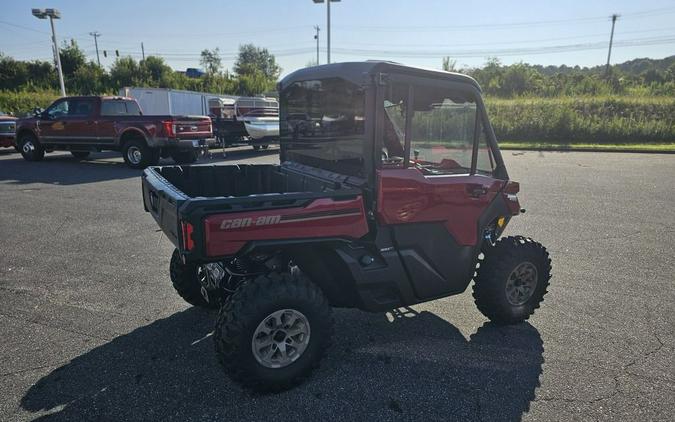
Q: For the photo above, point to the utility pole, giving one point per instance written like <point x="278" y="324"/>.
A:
<point x="316" y="37"/>
<point x="96" y="34"/>
<point x="328" y="2"/>
<point x="611" y="39"/>
<point x="143" y="50"/>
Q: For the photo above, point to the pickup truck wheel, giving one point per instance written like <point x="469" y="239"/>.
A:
<point x="30" y="148"/>
<point x="138" y="155"/>
<point x="190" y="283"/>
<point x="80" y="155"/>
<point x="184" y="157"/>
<point x="273" y="331"/>
<point x="512" y="279"/>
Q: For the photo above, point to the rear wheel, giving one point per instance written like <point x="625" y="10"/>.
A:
<point x="272" y="332"/>
<point x="138" y="155"/>
<point x="80" y="155"/>
<point x="184" y="157"/>
<point x="512" y="279"/>
<point x="194" y="283"/>
<point x="30" y="148"/>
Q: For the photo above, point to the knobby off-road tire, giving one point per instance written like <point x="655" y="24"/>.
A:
<point x="251" y="311"/>
<point x="512" y="279"/>
<point x="185" y="279"/>
<point x="184" y="157"/>
<point x="138" y="155"/>
<point x="30" y="148"/>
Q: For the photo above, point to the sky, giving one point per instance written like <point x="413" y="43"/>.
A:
<point x="418" y="33"/>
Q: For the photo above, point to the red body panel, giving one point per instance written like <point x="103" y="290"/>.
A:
<point x="408" y="196"/>
<point x="225" y="234"/>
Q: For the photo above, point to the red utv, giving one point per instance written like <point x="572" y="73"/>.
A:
<point x="398" y="195"/>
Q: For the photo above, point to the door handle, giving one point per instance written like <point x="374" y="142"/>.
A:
<point x="476" y="191"/>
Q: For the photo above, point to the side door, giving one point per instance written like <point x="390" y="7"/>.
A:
<point x="69" y="121"/>
<point x="435" y="179"/>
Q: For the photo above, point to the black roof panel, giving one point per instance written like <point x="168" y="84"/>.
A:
<point x="359" y="73"/>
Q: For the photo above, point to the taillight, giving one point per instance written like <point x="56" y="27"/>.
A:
<point x="169" y="128"/>
<point x="187" y="229"/>
<point x="509" y="192"/>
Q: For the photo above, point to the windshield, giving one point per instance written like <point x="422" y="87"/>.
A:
<point x="323" y="125"/>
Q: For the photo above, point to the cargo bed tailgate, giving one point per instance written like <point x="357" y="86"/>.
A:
<point x="162" y="200"/>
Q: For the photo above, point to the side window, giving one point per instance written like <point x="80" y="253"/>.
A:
<point x="442" y="132"/>
<point x="485" y="162"/>
<point x="80" y="107"/>
<point x="113" y="108"/>
<point x="393" y="132"/>
<point x="59" y="109"/>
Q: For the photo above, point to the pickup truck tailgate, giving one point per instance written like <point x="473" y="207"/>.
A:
<point x="162" y="200"/>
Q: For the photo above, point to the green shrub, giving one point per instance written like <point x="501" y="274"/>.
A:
<point x="22" y="103"/>
<point x="585" y="119"/>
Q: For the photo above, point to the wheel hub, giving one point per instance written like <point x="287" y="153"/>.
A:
<point x="134" y="155"/>
<point x="209" y="276"/>
<point x="281" y="338"/>
<point x="28" y="147"/>
<point x="521" y="283"/>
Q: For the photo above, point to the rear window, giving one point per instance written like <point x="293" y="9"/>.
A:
<point x="323" y="125"/>
<point x="120" y="108"/>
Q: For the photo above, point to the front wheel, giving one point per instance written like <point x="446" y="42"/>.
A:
<point x="512" y="279"/>
<point x="30" y="148"/>
<point x="273" y="331"/>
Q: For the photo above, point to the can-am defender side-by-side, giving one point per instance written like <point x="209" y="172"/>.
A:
<point x="391" y="191"/>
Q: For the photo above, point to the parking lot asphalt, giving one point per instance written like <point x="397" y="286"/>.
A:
<point x="91" y="328"/>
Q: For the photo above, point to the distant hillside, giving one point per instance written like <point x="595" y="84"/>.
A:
<point x="633" y="67"/>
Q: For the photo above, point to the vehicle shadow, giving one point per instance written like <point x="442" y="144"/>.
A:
<point x="403" y="365"/>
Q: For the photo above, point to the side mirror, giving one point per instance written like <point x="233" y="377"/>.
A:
<point x="38" y="112"/>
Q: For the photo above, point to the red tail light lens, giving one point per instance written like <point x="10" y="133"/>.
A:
<point x="187" y="229"/>
<point x="169" y="128"/>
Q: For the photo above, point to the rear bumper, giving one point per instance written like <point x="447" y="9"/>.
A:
<point x="185" y="144"/>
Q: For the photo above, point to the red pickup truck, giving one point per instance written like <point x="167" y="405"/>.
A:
<point x="83" y="125"/>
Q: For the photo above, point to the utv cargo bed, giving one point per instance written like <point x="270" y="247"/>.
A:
<point x="209" y="212"/>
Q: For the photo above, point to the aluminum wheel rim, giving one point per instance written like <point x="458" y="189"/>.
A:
<point x="28" y="146"/>
<point x="281" y="338"/>
<point x="134" y="154"/>
<point x="521" y="283"/>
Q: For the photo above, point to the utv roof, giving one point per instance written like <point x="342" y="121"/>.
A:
<point x="360" y="72"/>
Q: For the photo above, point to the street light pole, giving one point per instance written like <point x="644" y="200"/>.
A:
<point x="53" y="14"/>
<point x="58" y="56"/>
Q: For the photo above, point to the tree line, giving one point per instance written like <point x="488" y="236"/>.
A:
<point x="254" y="72"/>
<point x="643" y="77"/>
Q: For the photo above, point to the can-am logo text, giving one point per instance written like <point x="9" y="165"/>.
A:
<point x="237" y="223"/>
